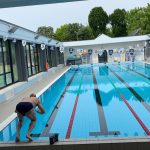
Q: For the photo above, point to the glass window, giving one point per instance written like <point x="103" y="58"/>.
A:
<point x="6" y="56"/>
<point x="8" y="78"/>
<point x="28" y="56"/>
<point x="53" y="58"/>
<point x="1" y="61"/>
<point x="29" y="72"/>
<point x="14" y="62"/>
<point x="36" y="57"/>
<point x="32" y="58"/>
<point x="2" y="81"/>
<point x="8" y="64"/>
<point x="27" y="50"/>
<point x="49" y="59"/>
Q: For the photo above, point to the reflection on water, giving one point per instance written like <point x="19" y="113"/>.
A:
<point x="105" y="72"/>
<point x="147" y="70"/>
<point x="9" y="132"/>
<point x="108" y="94"/>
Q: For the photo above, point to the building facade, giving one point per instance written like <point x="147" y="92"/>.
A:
<point x="23" y="54"/>
<point x="107" y="49"/>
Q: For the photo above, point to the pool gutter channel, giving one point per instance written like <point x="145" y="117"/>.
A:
<point x="117" y="143"/>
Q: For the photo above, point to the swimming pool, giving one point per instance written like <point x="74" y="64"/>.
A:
<point x="93" y="101"/>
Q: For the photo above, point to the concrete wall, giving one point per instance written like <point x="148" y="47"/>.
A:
<point x="125" y="46"/>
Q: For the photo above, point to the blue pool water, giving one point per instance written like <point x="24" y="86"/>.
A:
<point x="93" y="101"/>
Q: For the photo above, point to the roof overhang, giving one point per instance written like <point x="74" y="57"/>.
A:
<point x="105" y="41"/>
<point x="17" y="3"/>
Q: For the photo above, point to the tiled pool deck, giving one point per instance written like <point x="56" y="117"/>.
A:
<point x="7" y="107"/>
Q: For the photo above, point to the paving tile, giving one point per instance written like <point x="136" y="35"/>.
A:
<point x="8" y="107"/>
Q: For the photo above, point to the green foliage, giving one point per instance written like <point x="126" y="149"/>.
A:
<point x="122" y="23"/>
<point x="109" y="32"/>
<point x="61" y="33"/>
<point x="46" y="31"/>
<point x="118" y="22"/>
<point x="73" y="32"/>
<point x="139" y="18"/>
<point x="98" y="20"/>
<point x="85" y="33"/>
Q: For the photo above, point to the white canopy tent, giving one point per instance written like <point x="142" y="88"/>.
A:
<point x="104" y="41"/>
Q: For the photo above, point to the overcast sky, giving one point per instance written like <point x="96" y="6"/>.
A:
<point x="55" y="15"/>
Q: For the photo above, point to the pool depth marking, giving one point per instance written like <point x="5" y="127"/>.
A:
<point x="74" y="111"/>
<point x="132" y="91"/>
<point x="130" y="108"/>
<point x="54" y="113"/>
<point x="102" y="120"/>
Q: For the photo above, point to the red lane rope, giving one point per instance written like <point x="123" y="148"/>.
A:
<point x="72" y="119"/>
<point x="135" y="115"/>
<point x="73" y="112"/>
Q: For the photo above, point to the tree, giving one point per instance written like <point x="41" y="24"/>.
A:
<point x="118" y="22"/>
<point x="73" y="32"/>
<point x="61" y="33"/>
<point x="147" y="21"/>
<point x="74" y="29"/>
<point x="139" y="18"/>
<point x="98" y="20"/>
<point x="46" y="31"/>
<point x="85" y="33"/>
<point x="109" y="31"/>
<point x="68" y="32"/>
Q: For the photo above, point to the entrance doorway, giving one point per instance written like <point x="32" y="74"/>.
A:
<point x="103" y="58"/>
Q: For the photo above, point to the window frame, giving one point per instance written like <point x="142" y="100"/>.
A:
<point x="30" y="60"/>
<point x="8" y="47"/>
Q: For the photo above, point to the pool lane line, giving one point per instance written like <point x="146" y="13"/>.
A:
<point x="142" y="66"/>
<point x="74" y="111"/>
<point x="141" y="100"/>
<point x="101" y="115"/>
<point x="135" y="115"/>
<point x="55" y="111"/>
<point x="130" y="108"/>
<point x="143" y="75"/>
<point x="125" y="67"/>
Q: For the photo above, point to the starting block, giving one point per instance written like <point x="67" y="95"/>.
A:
<point x="53" y="137"/>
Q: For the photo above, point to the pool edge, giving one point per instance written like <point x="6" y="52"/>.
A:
<point x="14" y="115"/>
<point x="123" y="143"/>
